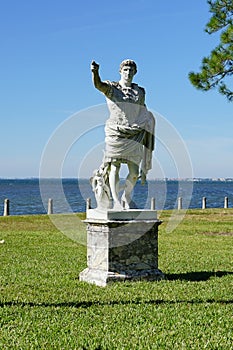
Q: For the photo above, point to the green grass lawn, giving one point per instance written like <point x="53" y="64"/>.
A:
<point x="44" y="306"/>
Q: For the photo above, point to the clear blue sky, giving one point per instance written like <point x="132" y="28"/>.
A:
<point x="46" y="50"/>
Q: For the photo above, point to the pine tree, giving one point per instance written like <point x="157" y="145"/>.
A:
<point x="219" y="64"/>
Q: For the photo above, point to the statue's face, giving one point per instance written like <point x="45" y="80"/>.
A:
<point x="127" y="73"/>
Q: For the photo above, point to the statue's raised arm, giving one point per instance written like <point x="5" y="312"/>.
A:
<point x="98" y="83"/>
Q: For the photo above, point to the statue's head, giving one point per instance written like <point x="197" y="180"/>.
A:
<point x="130" y="63"/>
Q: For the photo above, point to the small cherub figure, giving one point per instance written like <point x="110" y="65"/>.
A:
<point x="101" y="189"/>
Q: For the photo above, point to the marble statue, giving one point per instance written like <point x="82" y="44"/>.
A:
<point x="129" y="137"/>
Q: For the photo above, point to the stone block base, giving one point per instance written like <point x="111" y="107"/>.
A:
<point x="122" y="250"/>
<point x="102" y="278"/>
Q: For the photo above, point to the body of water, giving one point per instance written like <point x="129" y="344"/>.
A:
<point x="29" y="196"/>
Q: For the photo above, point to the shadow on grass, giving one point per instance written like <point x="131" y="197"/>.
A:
<point x="196" y="276"/>
<point x="87" y="304"/>
<point x="189" y="276"/>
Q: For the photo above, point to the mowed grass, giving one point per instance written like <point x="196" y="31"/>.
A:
<point x="43" y="305"/>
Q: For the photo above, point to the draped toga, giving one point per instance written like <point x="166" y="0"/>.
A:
<point x="129" y="131"/>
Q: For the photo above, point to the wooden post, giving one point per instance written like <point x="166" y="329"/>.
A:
<point x="152" y="204"/>
<point x="204" y="203"/>
<point x="225" y="202"/>
<point x="179" y="203"/>
<point x="88" y="203"/>
<point x="50" y="206"/>
<point x="6" y="211"/>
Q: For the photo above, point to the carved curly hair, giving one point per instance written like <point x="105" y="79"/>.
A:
<point x="128" y="62"/>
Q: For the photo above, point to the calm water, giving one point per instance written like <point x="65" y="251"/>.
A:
<point x="27" y="197"/>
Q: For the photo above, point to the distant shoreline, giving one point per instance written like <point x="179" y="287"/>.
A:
<point x="195" y="179"/>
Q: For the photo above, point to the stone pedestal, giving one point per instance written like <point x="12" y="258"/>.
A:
<point x="121" y="246"/>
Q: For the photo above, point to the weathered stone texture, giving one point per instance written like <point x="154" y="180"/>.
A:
<point x="122" y="250"/>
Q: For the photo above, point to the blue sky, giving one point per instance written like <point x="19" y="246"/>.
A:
<point x="46" y="50"/>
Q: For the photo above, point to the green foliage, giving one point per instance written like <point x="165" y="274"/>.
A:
<point x="219" y="64"/>
<point x="43" y="305"/>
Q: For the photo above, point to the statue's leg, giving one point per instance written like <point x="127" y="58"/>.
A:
<point x="130" y="183"/>
<point x="114" y="180"/>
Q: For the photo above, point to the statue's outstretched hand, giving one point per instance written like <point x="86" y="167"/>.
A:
<point x="94" y="66"/>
